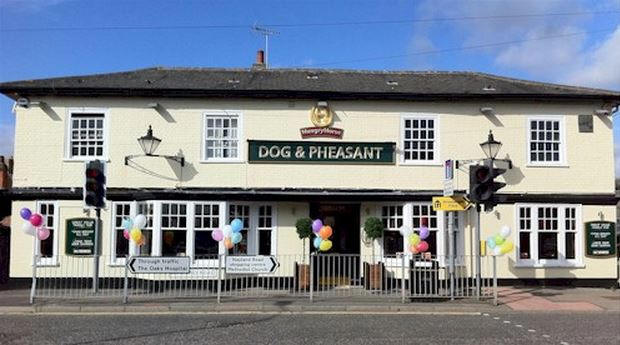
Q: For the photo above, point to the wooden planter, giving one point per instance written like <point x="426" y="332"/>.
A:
<point x="374" y="275"/>
<point x="303" y="276"/>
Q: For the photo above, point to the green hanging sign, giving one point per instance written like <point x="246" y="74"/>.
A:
<point x="263" y="151"/>
<point x="80" y="236"/>
<point x="600" y="238"/>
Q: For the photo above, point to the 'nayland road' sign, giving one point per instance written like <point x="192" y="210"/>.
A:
<point x="159" y="264"/>
<point x="251" y="264"/>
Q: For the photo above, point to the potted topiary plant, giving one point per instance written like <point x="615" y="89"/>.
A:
<point x="303" y="227"/>
<point x="373" y="228"/>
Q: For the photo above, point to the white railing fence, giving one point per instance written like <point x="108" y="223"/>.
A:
<point x="316" y="277"/>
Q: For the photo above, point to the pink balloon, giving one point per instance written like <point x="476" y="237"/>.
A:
<point x="422" y="246"/>
<point x="43" y="233"/>
<point x="36" y="219"/>
<point x="126" y="234"/>
<point x="217" y="235"/>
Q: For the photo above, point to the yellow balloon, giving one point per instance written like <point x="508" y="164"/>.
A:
<point x="136" y="234"/>
<point x="325" y="245"/>
<point x="414" y="239"/>
<point x="506" y="247"/>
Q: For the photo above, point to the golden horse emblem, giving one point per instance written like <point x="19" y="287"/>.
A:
<point x="321" y="116"/>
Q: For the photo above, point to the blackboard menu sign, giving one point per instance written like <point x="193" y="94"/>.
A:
<point x="601" y="238"/>
<point x="80" y="237"/>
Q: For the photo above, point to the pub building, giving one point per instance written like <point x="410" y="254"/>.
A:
<point x="194" y="148"/>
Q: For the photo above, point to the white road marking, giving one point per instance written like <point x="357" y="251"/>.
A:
<point x="531" y="330"/>
<point x="520" y="326"/>
<point x="506" y="321"/>
<point x="485" y="314"/>
<point x="496" y="318"/>
<point x="563" y="343"/>
<point x="546" y="336"/>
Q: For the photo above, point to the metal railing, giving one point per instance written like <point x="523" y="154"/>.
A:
<point x="318" y="276"/>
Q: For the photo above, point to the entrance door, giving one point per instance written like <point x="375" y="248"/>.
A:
<point x="345" y="221"/>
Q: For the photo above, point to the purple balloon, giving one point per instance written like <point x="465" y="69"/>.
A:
<point x="25" y="213"/>
<point x="317" y="224"/>
<point x="424" y="232"/>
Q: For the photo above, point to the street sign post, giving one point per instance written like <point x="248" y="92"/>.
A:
<point x="159" y="264"/>
<point x="448" y="184"/>
<point x="450" y="203"/>
<point x="251" y="264"/>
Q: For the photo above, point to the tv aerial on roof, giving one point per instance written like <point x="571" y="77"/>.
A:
<point x="266" y="32"/>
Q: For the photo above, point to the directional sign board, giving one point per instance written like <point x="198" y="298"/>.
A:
<point x="159" y="264"/>
<point x="251" y="264"/>
<point x="450" y="203"/>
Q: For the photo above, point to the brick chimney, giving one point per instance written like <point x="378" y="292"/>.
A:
<point x="5" y="180"/>
<point x="260" y="60"/>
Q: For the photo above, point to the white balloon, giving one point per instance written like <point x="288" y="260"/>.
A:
<point x="505" y="231"/>
<point x="497" y="251"/>
<point x="28" y="229"/>
<point x="227" y="230"/>
<point x="139" y="222"/>
<point x="405" y="231"/>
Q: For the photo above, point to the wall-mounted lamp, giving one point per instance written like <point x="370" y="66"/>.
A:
<point x="491" y="146"/>
<point x="602" y="112"/>
<point x="488" y="111"/>
<point x="24" y="102"/>
<point x="149" y="144"/>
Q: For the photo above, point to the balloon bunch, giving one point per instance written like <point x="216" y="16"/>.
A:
<point x="230" y="234"/>
<point x="499" y="243"/>
<point x="322" y="233"/>
<point x="133" y="229"/>
<point x="417" y="243"/>
<point x="34" y="224"/>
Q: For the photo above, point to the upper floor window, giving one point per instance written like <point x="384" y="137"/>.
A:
<point x="420" y="139"/>
<point x="547" y="234"/>
<point x="86" y="135"/>
<point x="222" y="136"/>
<point x="546" y="140"/>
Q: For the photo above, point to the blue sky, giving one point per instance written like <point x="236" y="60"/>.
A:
<point x="580" y="48"/>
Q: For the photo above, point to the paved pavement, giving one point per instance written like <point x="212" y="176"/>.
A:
<point x="326" y="328"/>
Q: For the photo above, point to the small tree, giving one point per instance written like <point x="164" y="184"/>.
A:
<point x="373" y="227"/>
<point x="304" y="230"/>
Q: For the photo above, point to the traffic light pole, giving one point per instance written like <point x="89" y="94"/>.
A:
<point x="96" y="253"/>
<point x="477" y="250"/>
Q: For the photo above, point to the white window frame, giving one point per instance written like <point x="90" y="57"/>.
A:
<point x="240" y="137"/>
<point x="189" y="227"/>
<point x="436" y="140"/>
<point x="390" y="260"/>
<point x="563" y="144"/>
<point x="53" y="261"/>
<point x="115" y="260"/>
<point x="561" y="237"/>
<point x="222" y="213"/>
<point x="68" y="125"/>
<point x="273" y="229"/>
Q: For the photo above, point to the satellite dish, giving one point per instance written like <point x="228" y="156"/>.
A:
<point x="23" y="102"/>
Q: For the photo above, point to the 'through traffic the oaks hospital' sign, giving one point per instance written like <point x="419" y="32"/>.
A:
<point x="317" y="151"/>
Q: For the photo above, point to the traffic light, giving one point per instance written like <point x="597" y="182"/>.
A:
<point x="482" y="184"/>
<point x="94" y="186"/>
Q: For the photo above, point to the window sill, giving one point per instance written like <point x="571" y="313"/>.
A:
<point x="85" y="159"/>
<point x="550" y="265"/>
<point x="550" y="165"/>
<point x="47" y="264"/>
<point x="209" y="161"/>
<point x="420" y="163"/>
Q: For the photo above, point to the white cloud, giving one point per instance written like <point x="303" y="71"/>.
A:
<point x="601" y="65"/>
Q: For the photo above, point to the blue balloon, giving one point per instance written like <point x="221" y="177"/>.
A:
<point x="491" y="242"/>
<point x="317" y="242"/>
<point x="127" y="224"/>
<point x="25" y="213"/>
<point x="236" y="225"/>
<point x="236" y="237"/>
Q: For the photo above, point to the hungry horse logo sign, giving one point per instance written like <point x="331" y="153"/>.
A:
<point x="322" y="117"/>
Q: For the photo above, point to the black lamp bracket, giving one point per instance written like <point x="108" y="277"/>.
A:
<point x="178" y="159"/>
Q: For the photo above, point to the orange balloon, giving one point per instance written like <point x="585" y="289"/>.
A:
<point x="326" y="232"/>
<point x="141" y="241"/>
<point x="228" y="243"/>
<point x="168" y="237"/>
<point x="413" y="249"/>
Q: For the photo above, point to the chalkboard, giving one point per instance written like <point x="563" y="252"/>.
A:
<point x="601" y="238"/>
<point x="80" y="236"/>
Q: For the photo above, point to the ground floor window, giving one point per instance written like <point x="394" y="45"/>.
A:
<point x="146" y="209"/>
<point x="173" y="229"/>
<point x="122" y="211"/>
<point x="393" y="220"/>
<point x="206" y="220"/>
<point x="265" y="230"/>
<point x="547" y="234"/>
<point x="48" y="248"/>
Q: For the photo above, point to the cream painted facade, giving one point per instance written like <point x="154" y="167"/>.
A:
<point x="41" y="160"/>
